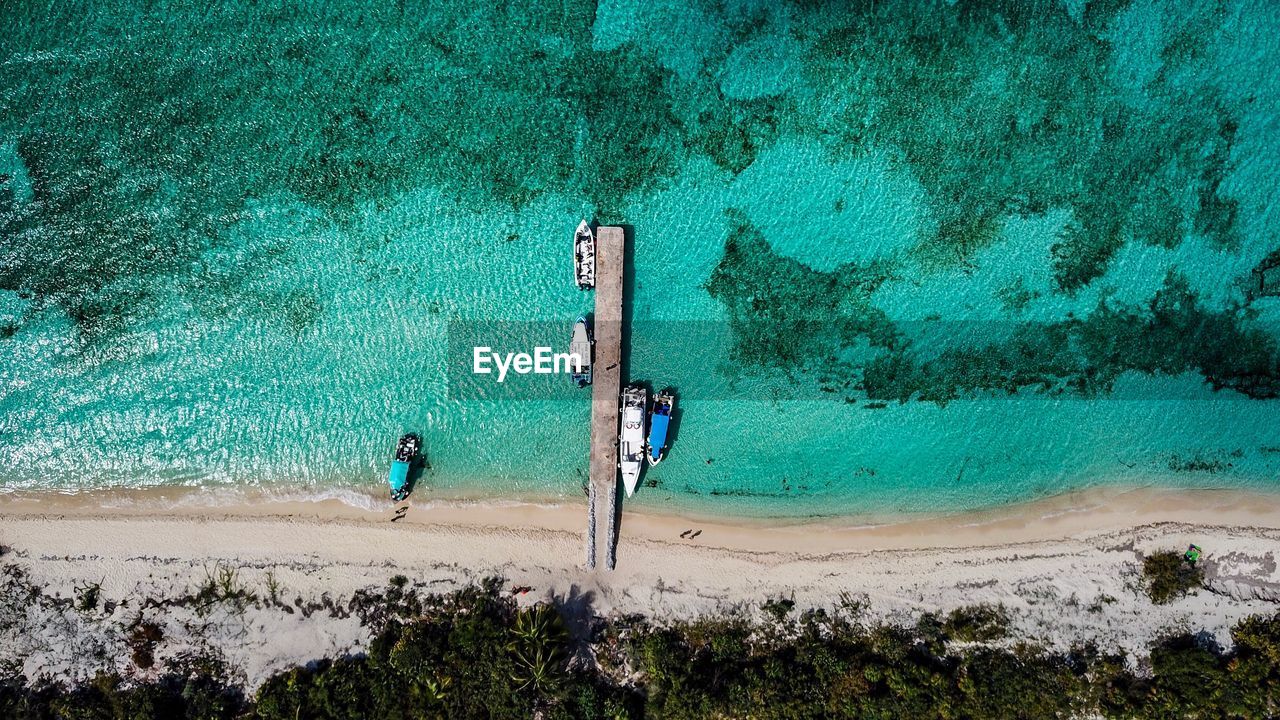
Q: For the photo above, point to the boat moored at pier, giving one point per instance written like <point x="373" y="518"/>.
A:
<point x="580" y="348"/>
<point x="659" y="419"/>
<point x="631" y="436"/>
<point x="584" y="256"/>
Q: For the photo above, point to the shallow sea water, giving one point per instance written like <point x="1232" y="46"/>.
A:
<point x="895" y="257"/>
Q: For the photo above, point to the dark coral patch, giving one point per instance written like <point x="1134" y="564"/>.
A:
<point x="813" y="325"/>
<point x="1006" y="110"/>
<point x="788" y="316"/>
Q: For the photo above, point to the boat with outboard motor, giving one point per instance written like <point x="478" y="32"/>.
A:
<point x="406" y="451"/>
<point x="659" y="420"/>
<point x="584" y="256"/>
<point x="580" y="348"/>
<point x="631" y="436"/>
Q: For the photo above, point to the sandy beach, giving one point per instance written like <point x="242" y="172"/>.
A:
<point x="1065" y="568"/>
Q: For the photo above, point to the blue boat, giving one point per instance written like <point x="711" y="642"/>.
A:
<point x="659" y="419"/>
<point x="398" y="478"/>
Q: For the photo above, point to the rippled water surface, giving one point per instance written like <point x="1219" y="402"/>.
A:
<point x="894" y="256"/>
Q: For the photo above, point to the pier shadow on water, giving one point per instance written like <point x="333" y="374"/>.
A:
<point x="628" y="298"/>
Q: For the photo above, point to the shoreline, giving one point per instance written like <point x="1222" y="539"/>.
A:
<point x="1065" y="569"/>
<point x="1094" y="510"/>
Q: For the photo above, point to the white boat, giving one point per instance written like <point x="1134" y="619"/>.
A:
<point x="631" y="437"/>
<point x="580" y="346"/>
<point x="584" y="256"/>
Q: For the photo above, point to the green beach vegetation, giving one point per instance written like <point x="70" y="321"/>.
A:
<point x="475" y="653"/>
<point x="1167" y="576"/>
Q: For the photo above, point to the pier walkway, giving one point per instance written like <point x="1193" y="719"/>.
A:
<point x="606" y="386"/>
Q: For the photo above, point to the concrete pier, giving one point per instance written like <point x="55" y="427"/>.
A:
<point x="606" y="386"/>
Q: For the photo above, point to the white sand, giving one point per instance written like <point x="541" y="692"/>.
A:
<point x="1066" y="569"/>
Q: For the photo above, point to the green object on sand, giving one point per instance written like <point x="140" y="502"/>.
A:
<point x="1192" y="555"/>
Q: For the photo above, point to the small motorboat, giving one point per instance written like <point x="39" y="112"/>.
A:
<point x="659" y="419"/>
<point x="584" y="256"/>
<point x="580" y="347"/>
<point x="631" y="436"/>
<point x="406" y="451"/>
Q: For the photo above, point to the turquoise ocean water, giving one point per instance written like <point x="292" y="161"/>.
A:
<point x="899" y="257"/>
